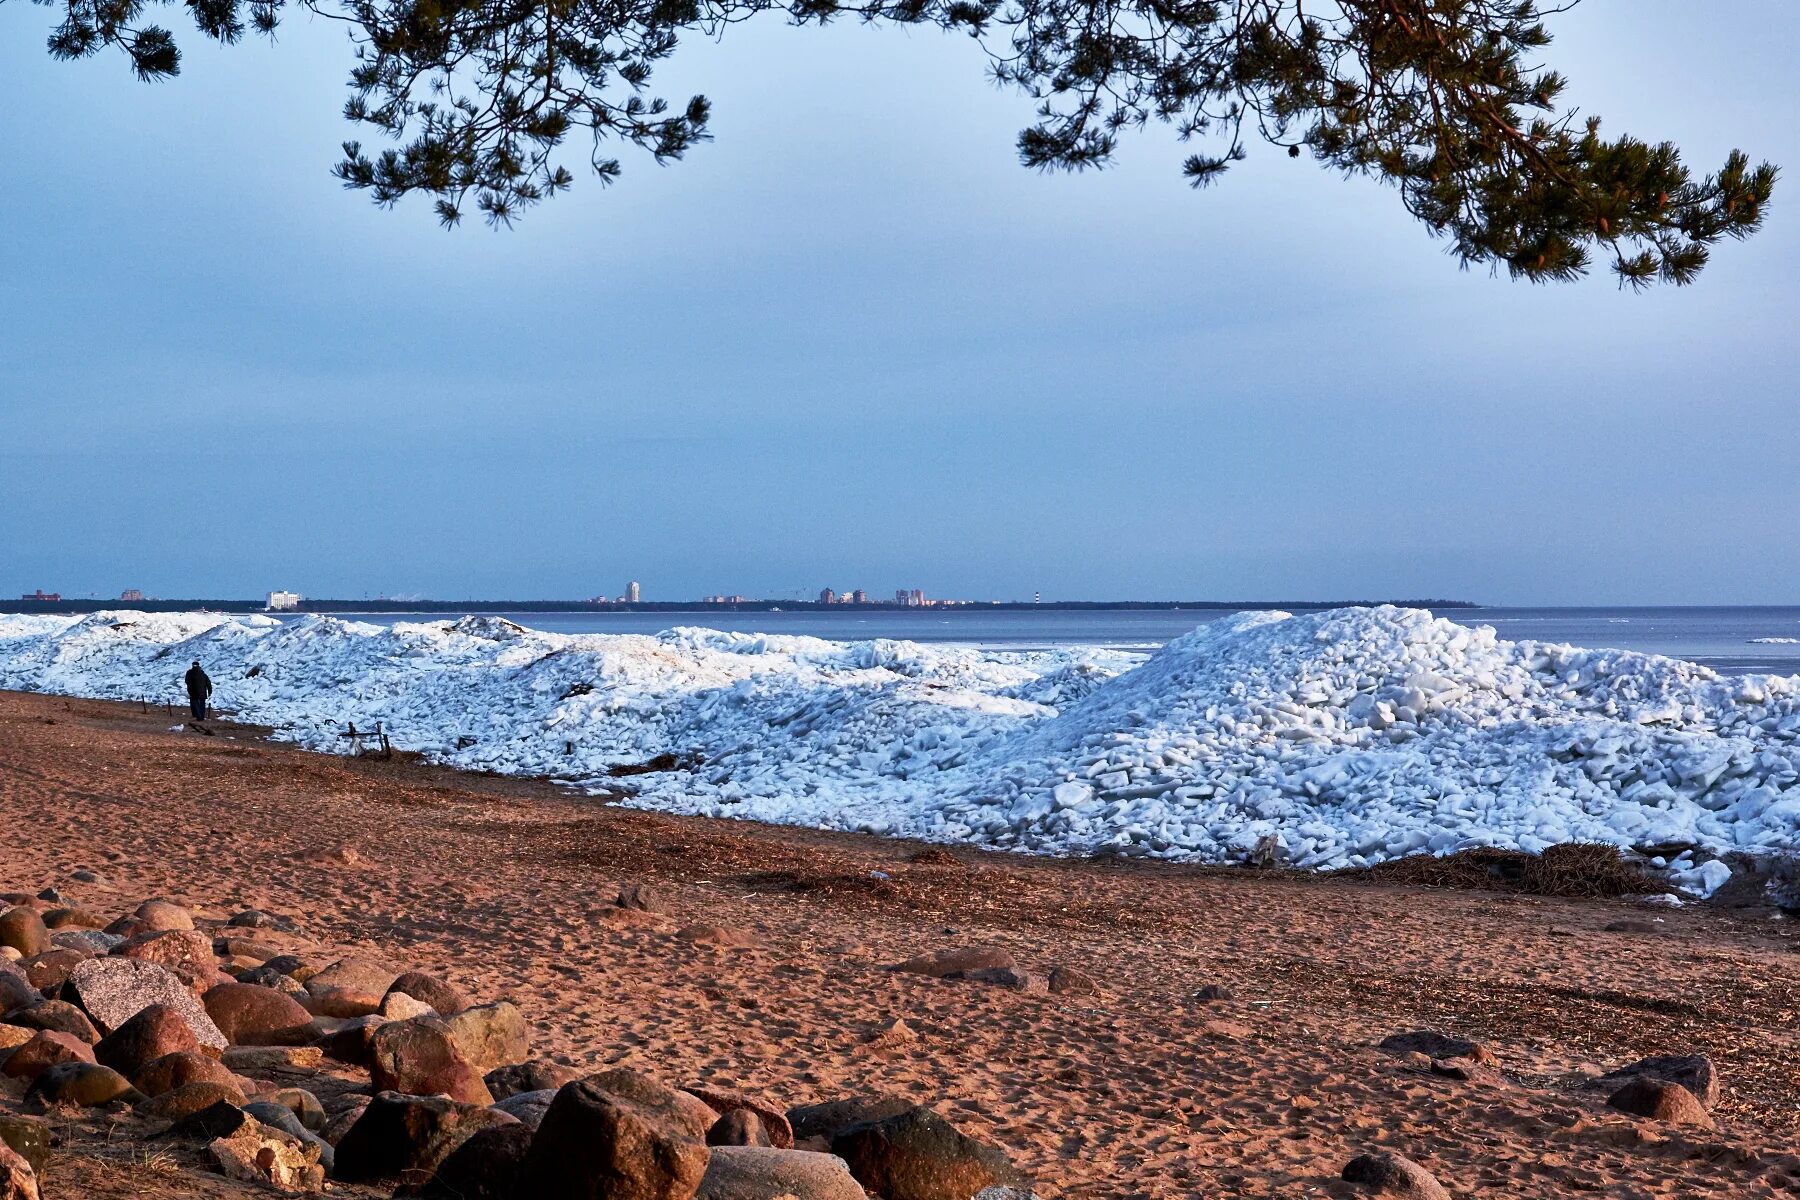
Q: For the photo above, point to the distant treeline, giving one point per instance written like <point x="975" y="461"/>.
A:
<point x="676" y="606"/>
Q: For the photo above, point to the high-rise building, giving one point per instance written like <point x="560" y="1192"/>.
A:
<point x="632" y="592"/>
<point x="284" y="601"/>
<point x="859" y="597"/>
<point x="827" y="596"/>
<point x="916" y="598"/>
<point x="131" y="595"/>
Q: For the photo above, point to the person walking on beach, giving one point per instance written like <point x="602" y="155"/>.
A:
<point x="199" y="690"/>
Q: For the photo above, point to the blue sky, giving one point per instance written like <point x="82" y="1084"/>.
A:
<point x="852" y="343"/>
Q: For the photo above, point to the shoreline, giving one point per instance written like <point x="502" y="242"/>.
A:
<point x="1141" y="1089"/>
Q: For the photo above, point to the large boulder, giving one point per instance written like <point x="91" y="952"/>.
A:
<point x="114" y="990"/>
<point x="485" y="1167"/>
<point x="535" y="1076"/>
<point x="1660" y="1100"/>
<point x="81" y="1083"/>
<point x="257" y="1016"/>
<point x="27" y="1137"/>
<point x="741" y="1127"/>
<point x="184" y="1066"/>
<point x="616" y="1136"/>
<point x="408" y="1137"/>
<point x="350" y="987"/>
<point x="157" y="916"/>
<point x="45" y="1049"/>
<point x="727" y="1101"/>
<point x="828" y="1119"/>
<point x="59" y="1016"/>
<point x="1695" y="1072"/>
<point x="17" y="1180"/>
<point x="23" y="929"/>
<point x="1384" y="1173"/>
<point x="16" y="991"/>
<point x="940" y="963"/>
<point x="349" y="1040"/>
<point x="528" y="1107"/>
<point x="186" y="953"/>
<point x="765" y="1173"/>
<point x="444" y="998"/>
<point x="917" y="1155"/>
<point x="190" y="1098"/>
<point x="421" y="1057"/>
<point x="257" y="1154"/>
<point x="490" y="1035"/>
<point x="151" y="1033"/>
<point x="50" y="970"/>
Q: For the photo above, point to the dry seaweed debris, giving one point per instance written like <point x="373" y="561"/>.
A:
<point x="1584" y="870"/>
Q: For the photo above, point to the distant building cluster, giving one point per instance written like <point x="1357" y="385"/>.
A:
<point x="284" y="601"/>
<point x="41" y="594"/>
<point x="908" y="597"/>
<point x="722" y="599"/>
<point x="132" y="595"/>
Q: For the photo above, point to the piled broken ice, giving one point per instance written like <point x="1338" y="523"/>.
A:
<point x="1348" y="736"/>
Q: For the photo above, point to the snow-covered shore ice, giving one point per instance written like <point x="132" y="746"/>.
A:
<point x="1350" y="737"/>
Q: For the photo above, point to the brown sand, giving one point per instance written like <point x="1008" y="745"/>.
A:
<point x="505" y="887"/>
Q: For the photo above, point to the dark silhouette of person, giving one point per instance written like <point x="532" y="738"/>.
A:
<point x="199" y="690"/>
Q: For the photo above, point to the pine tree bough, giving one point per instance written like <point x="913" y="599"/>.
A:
<point x="1442" y="98"/>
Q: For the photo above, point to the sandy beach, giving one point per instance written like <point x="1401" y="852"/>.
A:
<point x="1140" y="1089"/>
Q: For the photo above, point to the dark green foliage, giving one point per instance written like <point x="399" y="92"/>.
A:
<point x="1442" y="98"/>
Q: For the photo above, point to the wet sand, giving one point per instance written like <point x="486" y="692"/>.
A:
<point x="1138" y="1090"/>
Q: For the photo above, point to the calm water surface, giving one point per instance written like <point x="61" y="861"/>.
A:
<point x="1723" y="638"/>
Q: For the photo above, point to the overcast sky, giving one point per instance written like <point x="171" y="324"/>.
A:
<point x="852" y="343"/>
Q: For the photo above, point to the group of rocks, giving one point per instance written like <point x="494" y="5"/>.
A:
<point x="289" y="1072"/>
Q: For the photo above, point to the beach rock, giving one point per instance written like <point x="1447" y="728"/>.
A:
<point x="151" y="1033"/>
<point x="12" y="1036"/>
<point x="113" y="990"/>
<point x="27" y="1137"/>
<point x="18" y="1181"/>
<point x="1069" y="981"/>
<point x="255" y="918"/>
<point x="616" y="1136"/>
<point x="528" y="1107"/>
<point x="240" y="947"/>
<point x="24" y="930"/>
<point x="268" y="977"/>
<point x="85" y="875"/>
<point x="1468" y="1071"/>
<point x="157" y="916"/>
<point x="81" y="1083"/>
<point x="828" y="1119"/>
<point x="257" y="1016"/>
<point x="1660" y="1100"/>
<point x="214" y="1121"/>
<point x="1012" y="978"/>
<point x="762" y="1173"/>
<point x="409" y="1137"/>
<point x="72" y="918"/>
<point x="1386" y="1174"/>
<point x="398" y="1006"/>
<point x="190" y="1098"/>
<point x="45" y="1049"/>
<point x="533" y="1076"/>
<point x="485" y="1167"/>
<point x="90" y="941"/>
<point x="917" y="1155"/>
<point x="421" y="1057"/>
<point x="1695" y="1072"/>
<point x="303" y="1104"/>
<point x="188" y="954"/>
<point x="348" y="1041"/>
<point x="1437" y="1045"/>
<point x="58" y="1016"/>
<point x="339" y="1123"/>
<point x="258" y="1154"/>
<point x="446" y="999"/>
<point x="277" y="1116"/>
<point x="350" y="987"/>
<point x="740" y="1128"/>
<point x="50" y="970"/>
<point x="726" y="1101"/>
<point x="967" y="958"/>
<point x="1215" y="993"/>
<point x="293" y="966"/>
<point x="491" y="1035"/>
<point x="642" y="897"/>
<point x="16" y="991"/>
<point x="182" y="1067"/>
